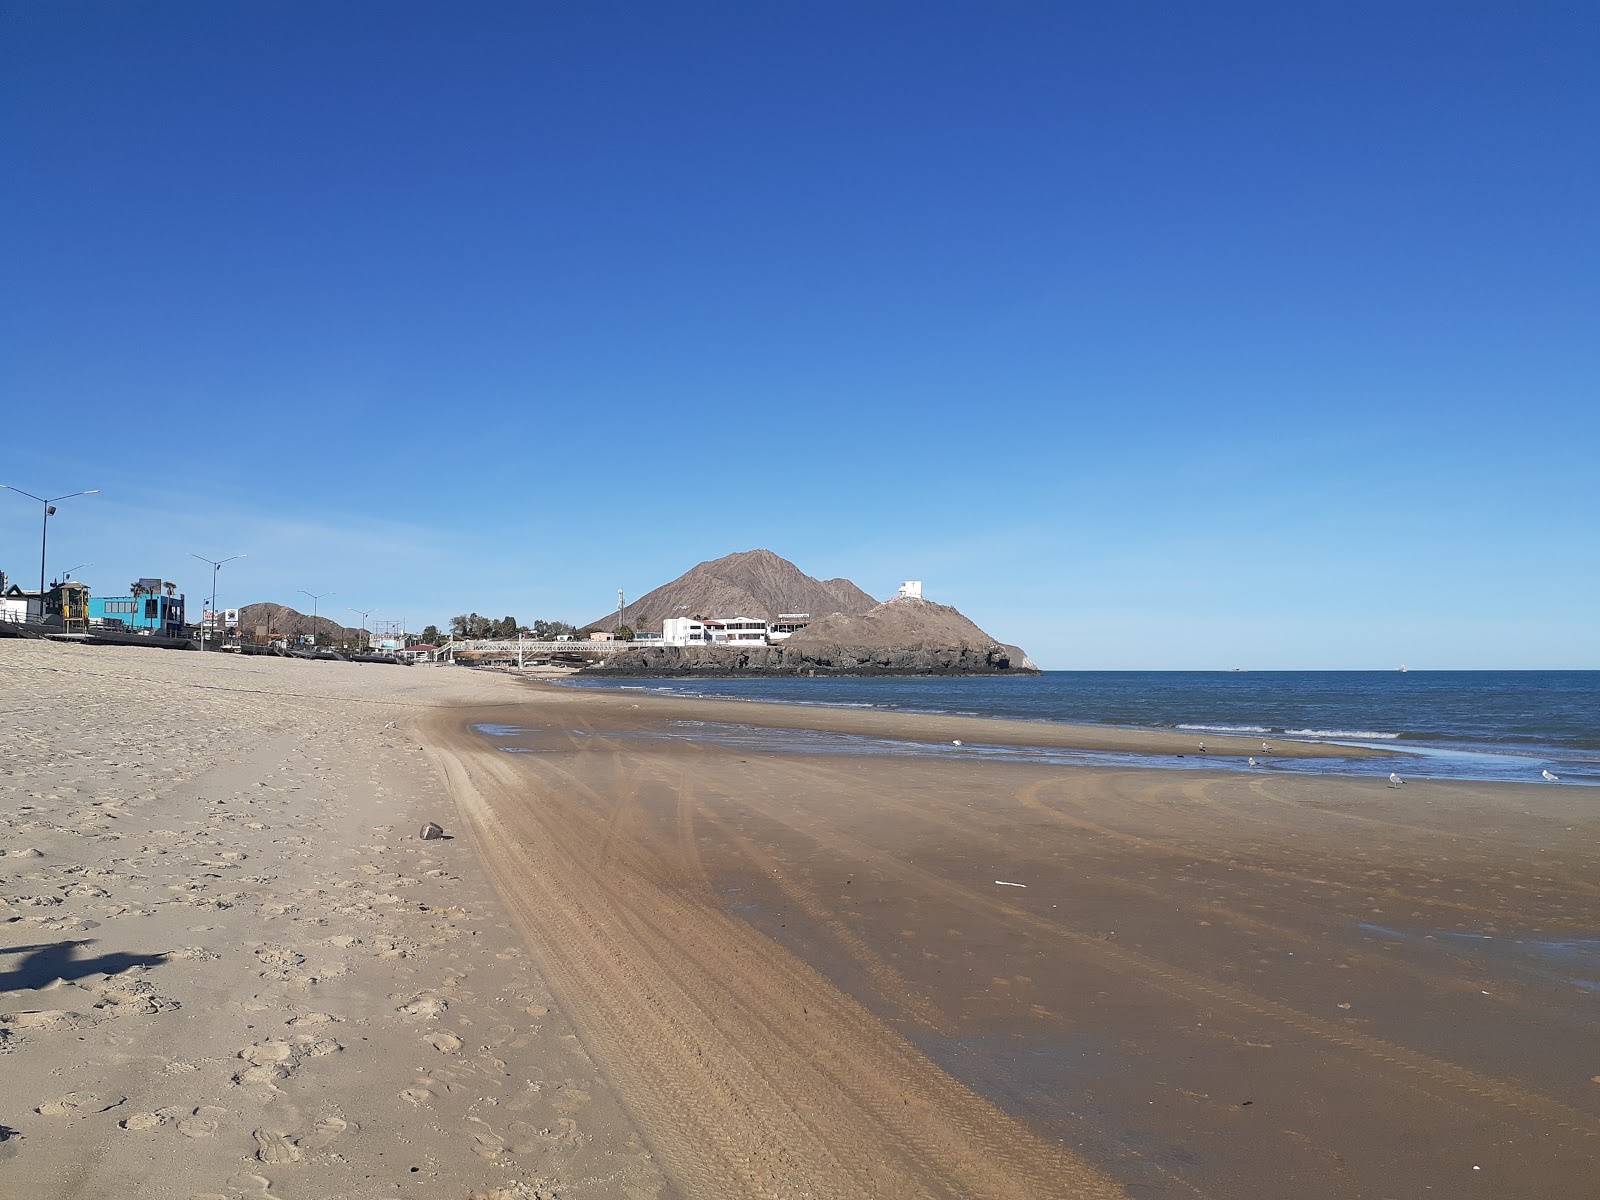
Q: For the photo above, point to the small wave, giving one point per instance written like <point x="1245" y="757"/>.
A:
<point x="1228" y="728"/>
<point x="1365" y="735"/>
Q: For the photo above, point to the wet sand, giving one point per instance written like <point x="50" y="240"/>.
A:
<point x="1212" y="983"/>
<point x="651" y="965"/>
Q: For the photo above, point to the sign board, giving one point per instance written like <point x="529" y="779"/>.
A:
<point x="230" y="617"/>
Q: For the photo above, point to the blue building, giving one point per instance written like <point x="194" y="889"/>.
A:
<point x="147" y="610"/>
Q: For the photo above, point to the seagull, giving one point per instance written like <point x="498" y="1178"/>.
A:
<point x="1549" y="778"/>
<point x="1254" y="763"/>
<point x="1395" y="780"/>
<point x="956" y="743"/>
<point x="1266" y="747"/>
<point x="1202" y="747"/>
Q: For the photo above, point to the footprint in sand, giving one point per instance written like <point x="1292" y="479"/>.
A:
<point x="277" y="1058"/>
<point x="273" y="1147"/>
<point x="445" y="1043"/>
<point x="488" y="1145"/>
<point x="425" y="1006"/>
<point x="328" y="1130"/>
<point x="312" y="1018"/>
<point x="44" y="1019"/>
<point x="143" y="1122"/>
<point x="78" y="1103"/>
<point x="202" y="1122"/>
<point x="255" y="1187"/>
<point x="417" y="1095"/>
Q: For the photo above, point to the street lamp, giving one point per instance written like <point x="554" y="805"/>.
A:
<point x="365" y="613"/>
<point x="216" y="565"/>
<point x="44" y="535"/>
<point x="315" y="596"/>
<point x="66" y="575"/>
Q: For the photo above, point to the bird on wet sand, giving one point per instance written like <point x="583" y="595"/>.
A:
<point x="1549" y="778"/>
<point x="1395" y="780"/>
<point x="1202" y="747"/>
<point x="1254" y="763"/>
<point x="1266" y="747"/>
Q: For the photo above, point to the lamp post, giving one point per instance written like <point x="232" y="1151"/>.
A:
<point x="67" y="574"/>
<point x="365" y="613"/>
<point x="315" y="596"/>
<point x="216" y="565"/>
<point x="44" y="534"/>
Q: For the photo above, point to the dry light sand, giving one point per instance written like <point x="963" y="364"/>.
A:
<point x="654" y="965"/>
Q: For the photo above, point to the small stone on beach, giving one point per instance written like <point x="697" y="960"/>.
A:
<point x="432" y="831"/>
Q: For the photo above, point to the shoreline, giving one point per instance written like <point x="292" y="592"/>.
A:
<point x="1206" y="981"/>
<point x="913" y="725"/>
<point x="652" y="966"/>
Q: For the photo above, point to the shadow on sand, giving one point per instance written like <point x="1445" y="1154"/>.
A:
<point x="51" y="961"/>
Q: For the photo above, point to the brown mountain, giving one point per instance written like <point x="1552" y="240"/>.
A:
<point x="752" y="583"/>
<point x="899" y="624"/>
<point x="280" y="620"/>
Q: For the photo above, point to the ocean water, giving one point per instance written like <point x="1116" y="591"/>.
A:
<point x="1508" y="725"/>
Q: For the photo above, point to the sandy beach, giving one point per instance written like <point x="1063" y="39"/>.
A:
<point x="655" y="965"/>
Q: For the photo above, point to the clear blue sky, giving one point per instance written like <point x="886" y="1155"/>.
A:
<point x="1148" y="334"/>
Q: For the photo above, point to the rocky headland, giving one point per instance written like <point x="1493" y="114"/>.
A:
<point x="899" y="637"/>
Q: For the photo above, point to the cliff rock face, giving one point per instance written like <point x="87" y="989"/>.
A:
<point x="900" y="637"/>
<point x="803" y="660"/>
<point x="752" y="583"/>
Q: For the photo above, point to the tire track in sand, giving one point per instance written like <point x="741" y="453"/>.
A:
<point x="753" y="1074"/>
<point x="1442" y="1081"/>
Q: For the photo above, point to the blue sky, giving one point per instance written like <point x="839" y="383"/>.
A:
<point x="1148" y="334"/>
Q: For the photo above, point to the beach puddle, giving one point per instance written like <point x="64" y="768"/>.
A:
<point x="1571" y="961"/>
<point x="489" y="729"/>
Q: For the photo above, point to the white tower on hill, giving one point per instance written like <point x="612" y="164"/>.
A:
<point x="911" y="589"/>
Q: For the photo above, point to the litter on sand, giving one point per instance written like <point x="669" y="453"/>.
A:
<point x="1008" y="883"/>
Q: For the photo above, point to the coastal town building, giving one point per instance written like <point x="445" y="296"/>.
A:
<point x="739" y="631"/>
<point x="64" y="605"/>
<point x="787" y="625"/>
<point x="142" y="613"/>
<point x="736" y="631"/>
<point x="911" y="589"/>
<point x="17" y="604"/>
<point x="683" y="631"/>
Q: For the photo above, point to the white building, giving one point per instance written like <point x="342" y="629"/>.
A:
<point x="683" y="631"/>
<point x="18" y="605"/>
<point x="722" y="631"/>
<point x="787" y="625"/>
<point x="738" y="631"/>
<point x="911" y="589"/>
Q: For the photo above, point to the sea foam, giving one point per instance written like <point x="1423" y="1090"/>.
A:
<point x="1365" y="735"/>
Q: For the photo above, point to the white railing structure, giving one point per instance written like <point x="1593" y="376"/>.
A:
<point x="523" y="649"/>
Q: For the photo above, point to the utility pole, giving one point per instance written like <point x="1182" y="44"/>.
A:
<point x="620" y="607"/>
<point x="216" y="565"/>
<point x="44" y="533"/>
<point x="315" y="596"/>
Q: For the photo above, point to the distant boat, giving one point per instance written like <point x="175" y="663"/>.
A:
<point x="1402" y="668"/>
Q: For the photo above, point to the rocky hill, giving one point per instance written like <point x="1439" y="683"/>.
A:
<point x="752" y="583"/>
<point x="900" y="624"/>
<point x="282" y="620"/>
<point x="899" y="637"/>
